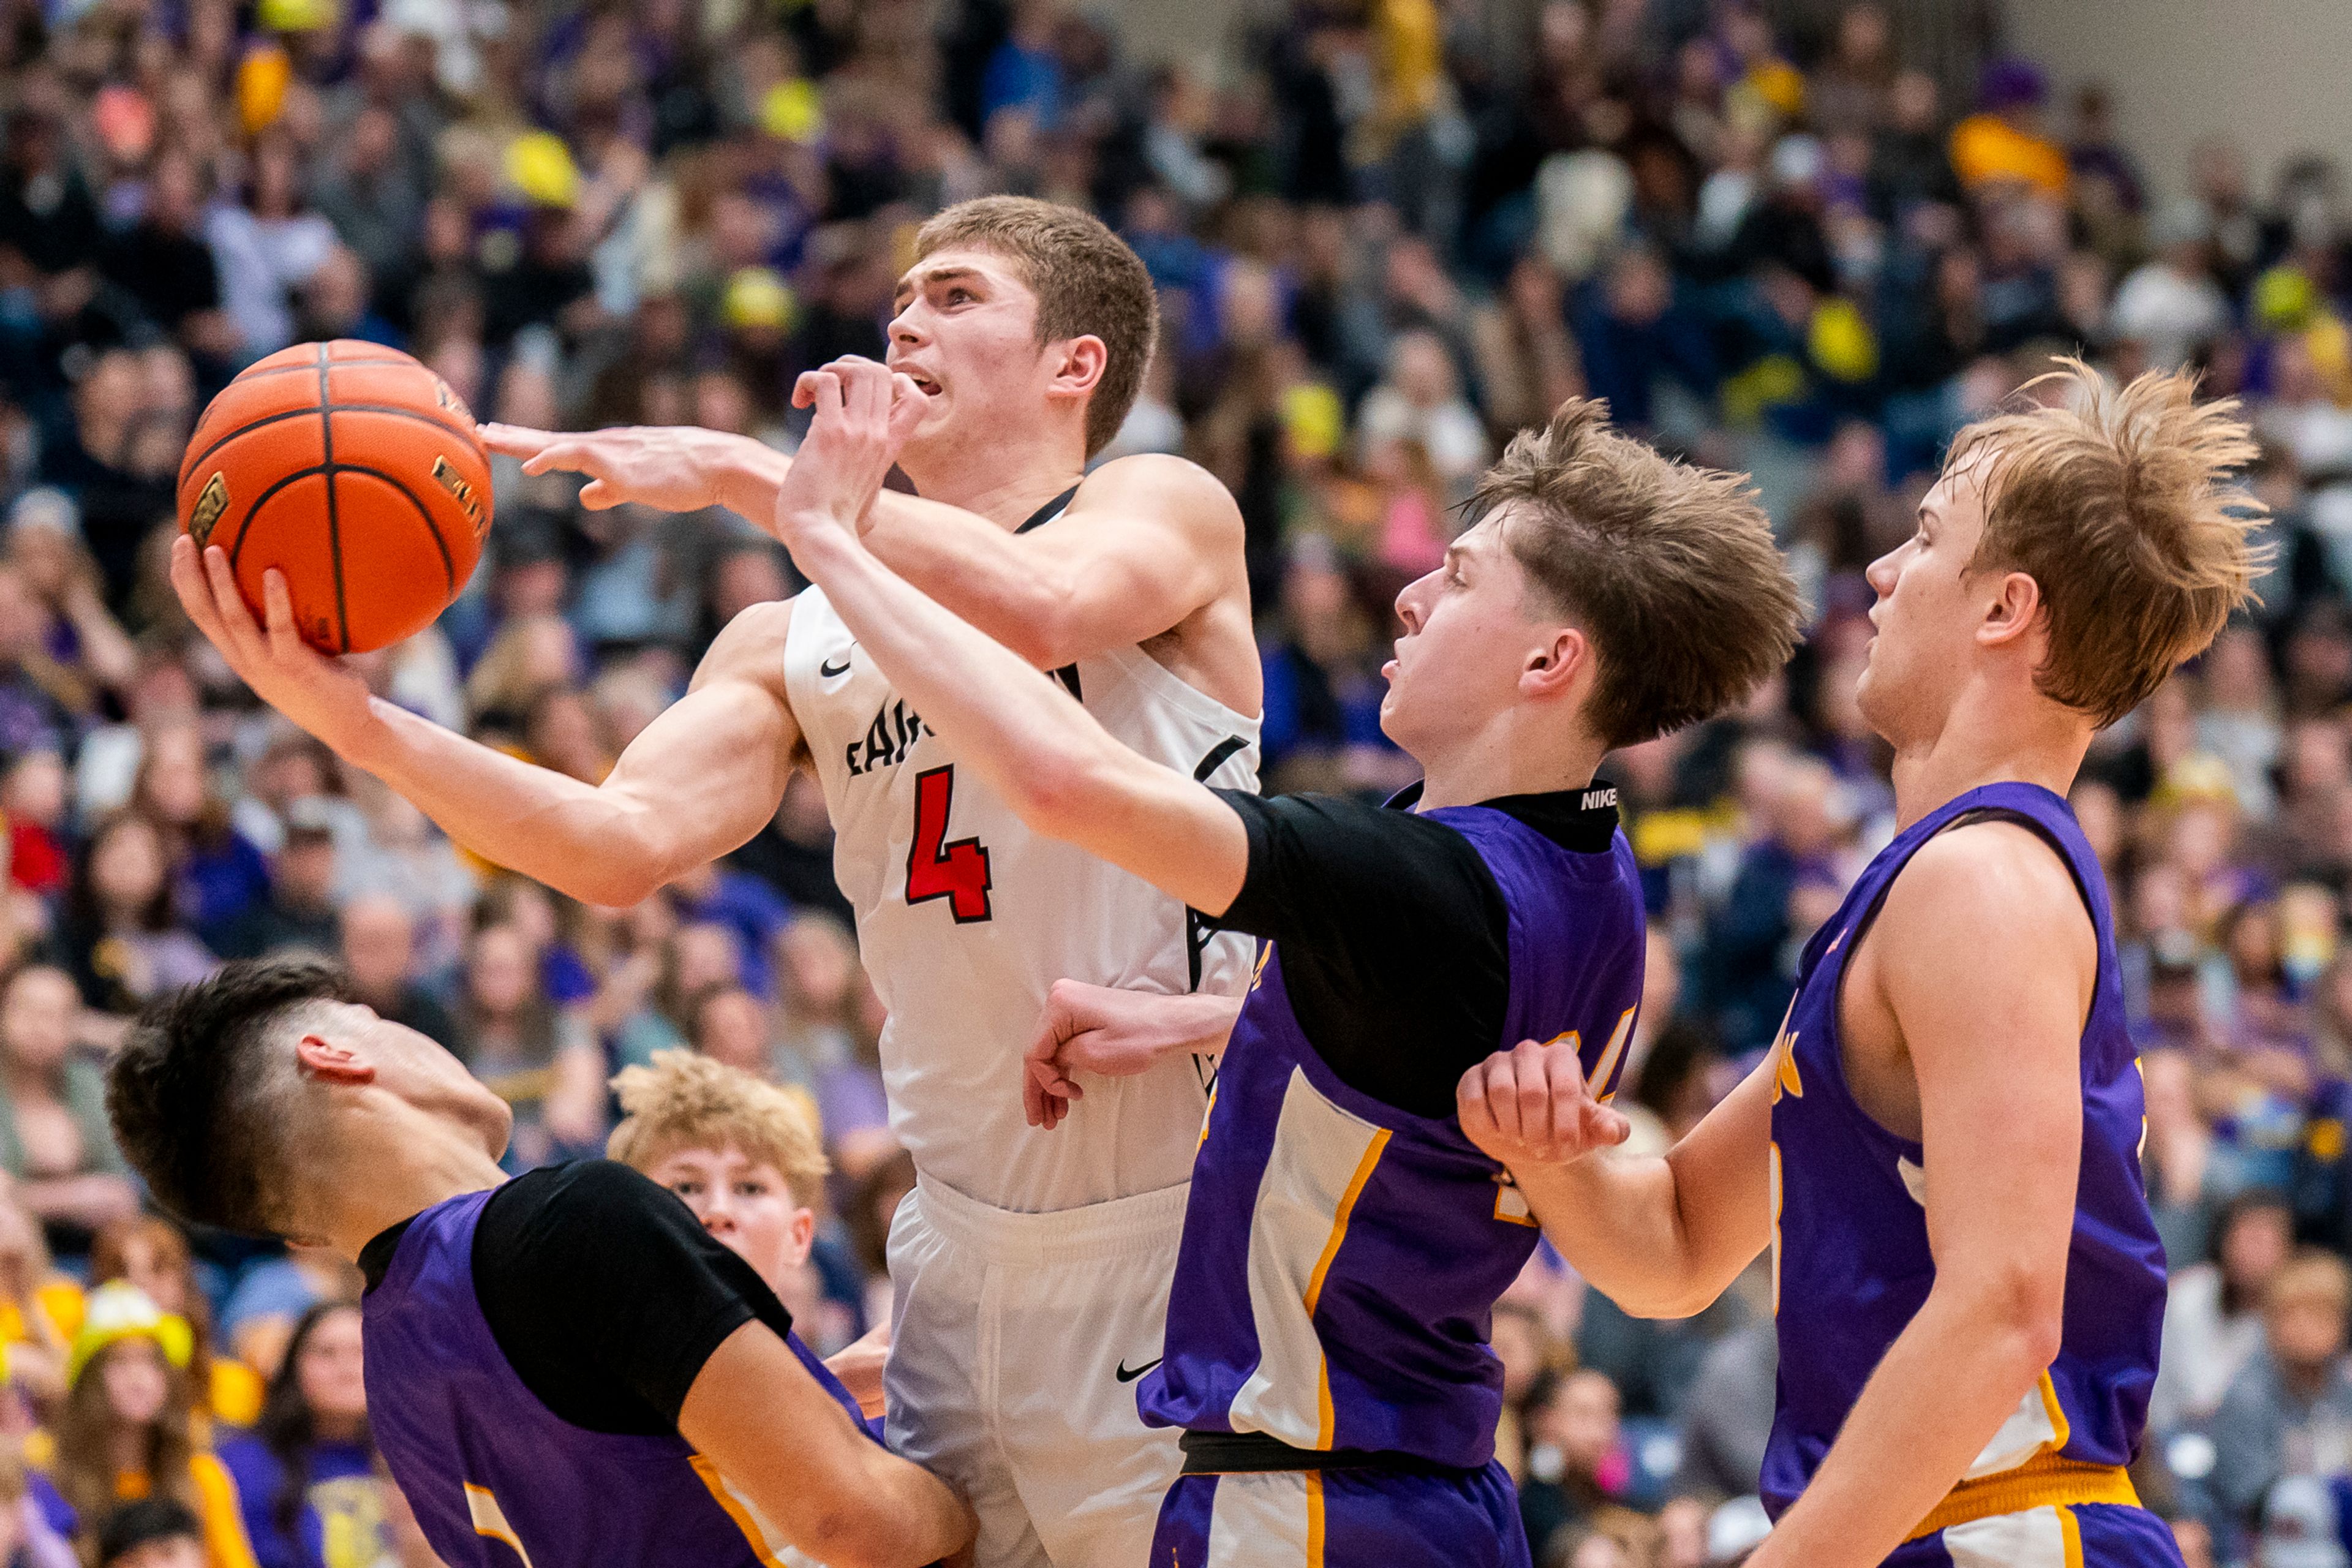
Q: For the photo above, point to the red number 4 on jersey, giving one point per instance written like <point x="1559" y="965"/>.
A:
<point x="957" y="872"/>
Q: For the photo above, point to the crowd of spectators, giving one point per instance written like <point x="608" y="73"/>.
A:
<point x="1387" y="234"/>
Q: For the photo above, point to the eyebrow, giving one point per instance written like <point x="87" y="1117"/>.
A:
<point x="914" y="281"/>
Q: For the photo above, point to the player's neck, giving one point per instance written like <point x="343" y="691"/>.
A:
<point x="1985" y="739"/>
<point x="385" y="1173"/>
<point x="1004" y="481"/>
<point x="1507" y="760"/>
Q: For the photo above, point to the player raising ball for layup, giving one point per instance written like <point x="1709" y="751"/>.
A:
<point x="1028" y="1266"/>
<point x="1942" y="1149"/>
<point x="1344" y="1243"/>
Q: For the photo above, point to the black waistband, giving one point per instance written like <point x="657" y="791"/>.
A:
<point x="1234" y="1453"/>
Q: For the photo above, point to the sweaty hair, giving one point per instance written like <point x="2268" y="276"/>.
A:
<point x="2117" y="505"/>
<point x="1087" y="279"/>
<point x="1670" y="570"/>
<point x="195" y="1094"/>
<point x="686" y="1101"/>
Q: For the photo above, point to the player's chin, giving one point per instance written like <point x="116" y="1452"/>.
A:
<point x="939" y="413"/>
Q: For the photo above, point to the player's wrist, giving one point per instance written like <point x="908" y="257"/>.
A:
<point x="1211" y="1023"/>
<point x="744" y="474"/>
<point x="363" y="737"/>
<point x="822" y="541"/>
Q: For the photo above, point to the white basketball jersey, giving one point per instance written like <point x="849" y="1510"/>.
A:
<point x="966" y="918"/>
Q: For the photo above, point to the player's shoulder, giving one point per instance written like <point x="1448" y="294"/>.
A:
<point x="577" y="1192"/>
<point x="764" y="625"/>
<point x="749" y="645"/>
<point x="1163" y="486"/>
<point x="575" y="1218"/>
<point x="1992" y="879"/>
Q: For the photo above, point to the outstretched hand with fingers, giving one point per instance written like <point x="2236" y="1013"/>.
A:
<point x="672" y="467"/>
<point x="313" y="691"/>
<point x="1530" y="1106"/>
<point x="864" y="414"/>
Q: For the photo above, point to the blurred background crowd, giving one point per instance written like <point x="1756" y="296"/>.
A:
<point x="1387" y="234"/>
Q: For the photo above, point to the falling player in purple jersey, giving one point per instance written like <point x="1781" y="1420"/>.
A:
<point x="1943" y="1148"/>
<point x="562" y="1369"/>
<point x="1326" y="1352"/>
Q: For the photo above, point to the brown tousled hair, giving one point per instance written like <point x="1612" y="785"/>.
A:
<point x="1089" y="282"/>
<point x="2117" y="503"/>
<point x="1670" y="570"/>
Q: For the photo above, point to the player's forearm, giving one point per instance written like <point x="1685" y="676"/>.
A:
<point x="1944" y="1388"/>
<point x="582" y="841"/>
<point x="974" y="569"/>
<point x="1032" y="743"/>
<point x="1005" y="722"/>
<point x="983" y="573"/>
<point x="748" y="475"/>
<point x="1199" y="1024"/>
<point x="1620" y="1222"/>
<point x="813" y="1474"/>
<point x="911" y="1518"/>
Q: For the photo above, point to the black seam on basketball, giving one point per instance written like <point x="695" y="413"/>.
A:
<point x="332" y="364"/>
<point x="186" y="467"/>
<point x="393" y="410"/>
<point x="334" y="519"/>
<point x="246" y="521"/>
<point x="449" y="565"/>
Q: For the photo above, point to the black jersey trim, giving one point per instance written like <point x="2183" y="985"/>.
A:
<point x="1582" y="821"/>
<point x="1049" y="511"/>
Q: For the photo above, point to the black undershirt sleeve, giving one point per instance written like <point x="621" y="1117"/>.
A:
<point x="608" y="1296"/>
<point x="1395" y="940"/>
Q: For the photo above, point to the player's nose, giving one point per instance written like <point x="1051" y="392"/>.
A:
<point x="1408" y="603"/>
<point x="1880" y="574"/>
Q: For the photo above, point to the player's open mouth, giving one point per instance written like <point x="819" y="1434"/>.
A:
<point x="924" y="384"/>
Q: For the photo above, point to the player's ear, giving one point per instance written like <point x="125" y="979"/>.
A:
<point x="1555" y="665"/>
<point x="2016" y="606"/>
<point x="1078" y="364"/>
<point x="323" y="1058"/>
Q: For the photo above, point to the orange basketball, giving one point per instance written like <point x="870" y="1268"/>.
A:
<point x="355" y="471"/>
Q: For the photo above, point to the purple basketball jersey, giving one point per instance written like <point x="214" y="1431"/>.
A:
<point x="1851" y="1262"/>
<point x="483" y="1461"/>
<point x="1341" y="1258"/>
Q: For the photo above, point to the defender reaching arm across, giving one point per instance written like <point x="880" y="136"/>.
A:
<point x="1025" y="737"/>
<point x="1112" y="1033"/>
<point x="1396" y="954"/>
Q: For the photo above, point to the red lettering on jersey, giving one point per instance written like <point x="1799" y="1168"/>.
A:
<point x="957" y="872"/>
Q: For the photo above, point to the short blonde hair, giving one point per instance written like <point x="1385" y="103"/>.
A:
<point x="685" y="1100"/>
<point x="2118" y="505"/>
